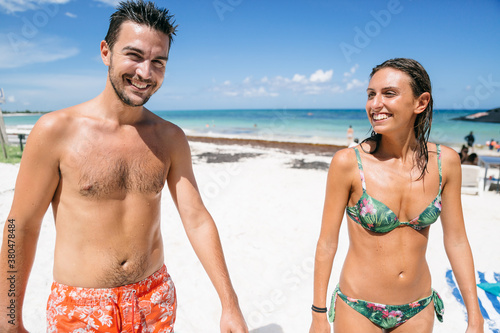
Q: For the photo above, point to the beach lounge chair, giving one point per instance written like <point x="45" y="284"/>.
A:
<point x="472" y="179"/>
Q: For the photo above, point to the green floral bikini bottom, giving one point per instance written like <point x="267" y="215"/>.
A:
<point x="388" y="316"/>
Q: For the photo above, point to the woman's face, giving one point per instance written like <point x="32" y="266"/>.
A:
<point x="391" y="104"/>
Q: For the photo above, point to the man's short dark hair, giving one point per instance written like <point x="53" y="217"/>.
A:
<point x="141" y="12"/>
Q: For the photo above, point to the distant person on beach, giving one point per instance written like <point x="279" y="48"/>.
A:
<point x="472" y="159"/>
<point x="470" y="140"/>
<point x="354" y="143"/>
<point x="393" y="187"/>
<point x="350" y="135"/>
<point x="464" y="153"/>
<point x="491" y="144"/>
<point x="102" y="165"/>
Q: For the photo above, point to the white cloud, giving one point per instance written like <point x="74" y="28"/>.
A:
<point x="351" y="71"/>
<point x="230" y="93"/>
<point x="11" y="99"/>
<point x="317" y="83"/>
<point x="337" y="90"/>
<point x="313" y="90"/>
<point x="258" y="92"/>
<point x="68" y="14"/>
<point x="355" y="83"/>
<point x="321" y="76"/>
<point x="19" y="52"/>
<point x="299" y="78"/>
<point x="280" y="80"/>
<point x="13" y="6"/>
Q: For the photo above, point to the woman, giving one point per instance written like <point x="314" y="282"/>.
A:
<point x="393" y="186"/>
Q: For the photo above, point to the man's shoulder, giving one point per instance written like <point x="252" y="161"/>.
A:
<point x="167" y="128"/>
<point x="59" y="124"/>
<point x="53" y="122"/>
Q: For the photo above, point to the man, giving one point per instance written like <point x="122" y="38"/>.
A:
<point x="470" y="140"/>
<point x="350" y="135"/>
<point x="102" y="165"/>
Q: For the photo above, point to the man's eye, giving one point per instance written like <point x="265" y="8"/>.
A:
<point x="134" y="56"/>
<point x="158" y="63"/>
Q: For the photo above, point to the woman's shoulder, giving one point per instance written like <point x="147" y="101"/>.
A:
<point x="450" y="160"/>
<point x="446" y="153"/>
<point x="344" y="159"/>
<point x="343" y="170"/>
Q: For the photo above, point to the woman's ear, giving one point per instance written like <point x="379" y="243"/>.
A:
<point x="422" y="102"/>
<point x="105" y="53"/>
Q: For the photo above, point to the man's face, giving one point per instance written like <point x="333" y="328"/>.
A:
<point x="137" y="63"/>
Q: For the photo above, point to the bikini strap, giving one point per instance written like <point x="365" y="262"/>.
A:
<point x="360" y="167"/>
<point x="438" y="149"/>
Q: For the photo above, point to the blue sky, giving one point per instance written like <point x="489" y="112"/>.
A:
<point x="246" y="54"/>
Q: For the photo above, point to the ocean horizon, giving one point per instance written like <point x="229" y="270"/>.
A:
<point x="319" y="126"/>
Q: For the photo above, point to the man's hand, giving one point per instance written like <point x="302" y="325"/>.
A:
<point x="232" y="321"/>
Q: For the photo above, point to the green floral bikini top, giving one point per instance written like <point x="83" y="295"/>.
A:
<point x="375" y="216"/>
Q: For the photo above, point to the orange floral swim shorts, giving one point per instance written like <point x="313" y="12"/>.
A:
<point x="146" y="306"/>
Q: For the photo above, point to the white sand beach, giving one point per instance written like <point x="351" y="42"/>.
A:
<point x="267" y="204"/>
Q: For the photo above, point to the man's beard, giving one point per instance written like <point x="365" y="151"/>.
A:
<point x="121" y="92"/>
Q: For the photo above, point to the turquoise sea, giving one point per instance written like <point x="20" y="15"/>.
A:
<point x="304" y="125"/>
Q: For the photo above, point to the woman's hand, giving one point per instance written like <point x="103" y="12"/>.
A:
<point x="320" y="323"/>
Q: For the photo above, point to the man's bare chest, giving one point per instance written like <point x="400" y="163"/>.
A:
<point x="100" y="172"/>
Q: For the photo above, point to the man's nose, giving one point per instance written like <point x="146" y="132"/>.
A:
<point x="144" y="70"/>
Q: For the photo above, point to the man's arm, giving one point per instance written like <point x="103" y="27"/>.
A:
<point x="35" y="186"/>
<point x="202" y="232"/>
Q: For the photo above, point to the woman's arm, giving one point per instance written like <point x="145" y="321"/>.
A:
<point x="455" y="238"/>
<point x="338" y="188"/>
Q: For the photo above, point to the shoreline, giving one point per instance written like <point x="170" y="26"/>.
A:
<point x="316" y="148"/>
<point x="319" y="149"/>
<point x="20" y="114"/>
<point x="288" y="146"/>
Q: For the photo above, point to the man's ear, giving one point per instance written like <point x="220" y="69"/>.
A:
<point x="105" y="53"/>
<point x="422" y="102"/>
